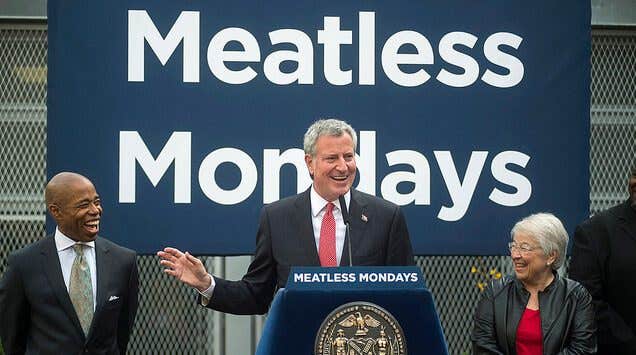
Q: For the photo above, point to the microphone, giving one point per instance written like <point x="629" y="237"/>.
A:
<point x="347" y="220"/>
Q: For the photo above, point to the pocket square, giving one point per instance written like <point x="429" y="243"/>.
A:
<point x="113" y="298"/>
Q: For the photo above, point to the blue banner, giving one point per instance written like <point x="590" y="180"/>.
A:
<point x="188" y="117"/>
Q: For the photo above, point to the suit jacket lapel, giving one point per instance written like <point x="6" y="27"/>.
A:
<point x="102" y="263"/>
<point x="357" y="209"/>
<point x="626" y="220"/>
<point x="53" y="272"/>
<point x="302" y="216"/>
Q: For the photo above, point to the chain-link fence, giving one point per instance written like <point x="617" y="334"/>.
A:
<point x="168" y="322"/>
<point x="613" y="116"/>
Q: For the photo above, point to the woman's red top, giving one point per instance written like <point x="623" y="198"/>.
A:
<point x="529" y="339"/>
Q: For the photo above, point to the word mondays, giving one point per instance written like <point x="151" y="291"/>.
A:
<point x="186" y="29"/>
<point x="310" y="277"/>
<point x="178" y="150"/>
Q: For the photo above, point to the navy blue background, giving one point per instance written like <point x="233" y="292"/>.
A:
<point x="546" y="116"/>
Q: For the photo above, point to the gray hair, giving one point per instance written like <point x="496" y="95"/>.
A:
<point x="330" y="127"/>
<point x="548" y="230"/>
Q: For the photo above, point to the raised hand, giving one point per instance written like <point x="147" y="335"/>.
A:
<point x="185" y="268"/>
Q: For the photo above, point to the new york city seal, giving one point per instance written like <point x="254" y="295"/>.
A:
<point x="360" y="328"/>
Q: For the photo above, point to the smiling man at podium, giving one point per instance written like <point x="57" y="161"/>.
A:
<point x="307" y="229"/>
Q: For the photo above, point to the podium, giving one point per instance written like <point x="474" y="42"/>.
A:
<point x="313" y="293"/>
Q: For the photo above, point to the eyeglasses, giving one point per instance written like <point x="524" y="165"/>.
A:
<point x="523" y="248"/>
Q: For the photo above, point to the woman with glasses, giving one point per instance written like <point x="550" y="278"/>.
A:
<point x="535" y="311"/>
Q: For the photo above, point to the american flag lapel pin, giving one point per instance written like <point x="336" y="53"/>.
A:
<point x="364" y="218"/>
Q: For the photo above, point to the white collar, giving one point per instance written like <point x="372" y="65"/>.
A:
<point x="318" y="203"/>
<point x="63" y="242"/>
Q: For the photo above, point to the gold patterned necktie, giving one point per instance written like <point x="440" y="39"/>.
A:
<point x="81" y="288"/>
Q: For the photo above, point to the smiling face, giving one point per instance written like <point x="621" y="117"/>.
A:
<point x="531" y="267"/>
<point x="77" y="210"/>
<point x="333" y="167"/>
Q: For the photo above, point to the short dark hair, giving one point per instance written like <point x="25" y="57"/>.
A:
<point x="632" y="172"/>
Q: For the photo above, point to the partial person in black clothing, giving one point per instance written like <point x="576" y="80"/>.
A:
<point x="604" y="261"/>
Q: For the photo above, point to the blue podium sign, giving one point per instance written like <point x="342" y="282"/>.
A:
<point x="356" y="277"/>
<point x="307" y="301"/>
<point x="189" y="116"/>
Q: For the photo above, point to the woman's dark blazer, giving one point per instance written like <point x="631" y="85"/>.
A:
<point x="567" y="317"/>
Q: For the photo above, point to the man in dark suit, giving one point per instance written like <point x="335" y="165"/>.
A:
<point x="71" y="292"/>
<point x="604" y="261"/>
<point x="306" y="230"/>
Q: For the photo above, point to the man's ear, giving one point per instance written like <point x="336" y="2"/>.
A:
<point x="308" y="160"/>
<point x="54" y="210"/>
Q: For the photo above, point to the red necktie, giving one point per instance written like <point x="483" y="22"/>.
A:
<point x="327" y="244"/>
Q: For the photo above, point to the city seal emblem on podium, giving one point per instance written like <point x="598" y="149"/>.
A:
<point x="360" y="328"/>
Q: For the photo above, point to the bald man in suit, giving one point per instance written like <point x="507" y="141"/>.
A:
<point x="72" y="292"/>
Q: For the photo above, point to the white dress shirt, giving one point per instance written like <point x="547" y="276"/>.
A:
<point x="66" y="253"/>
<point x="318" y="209"/>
